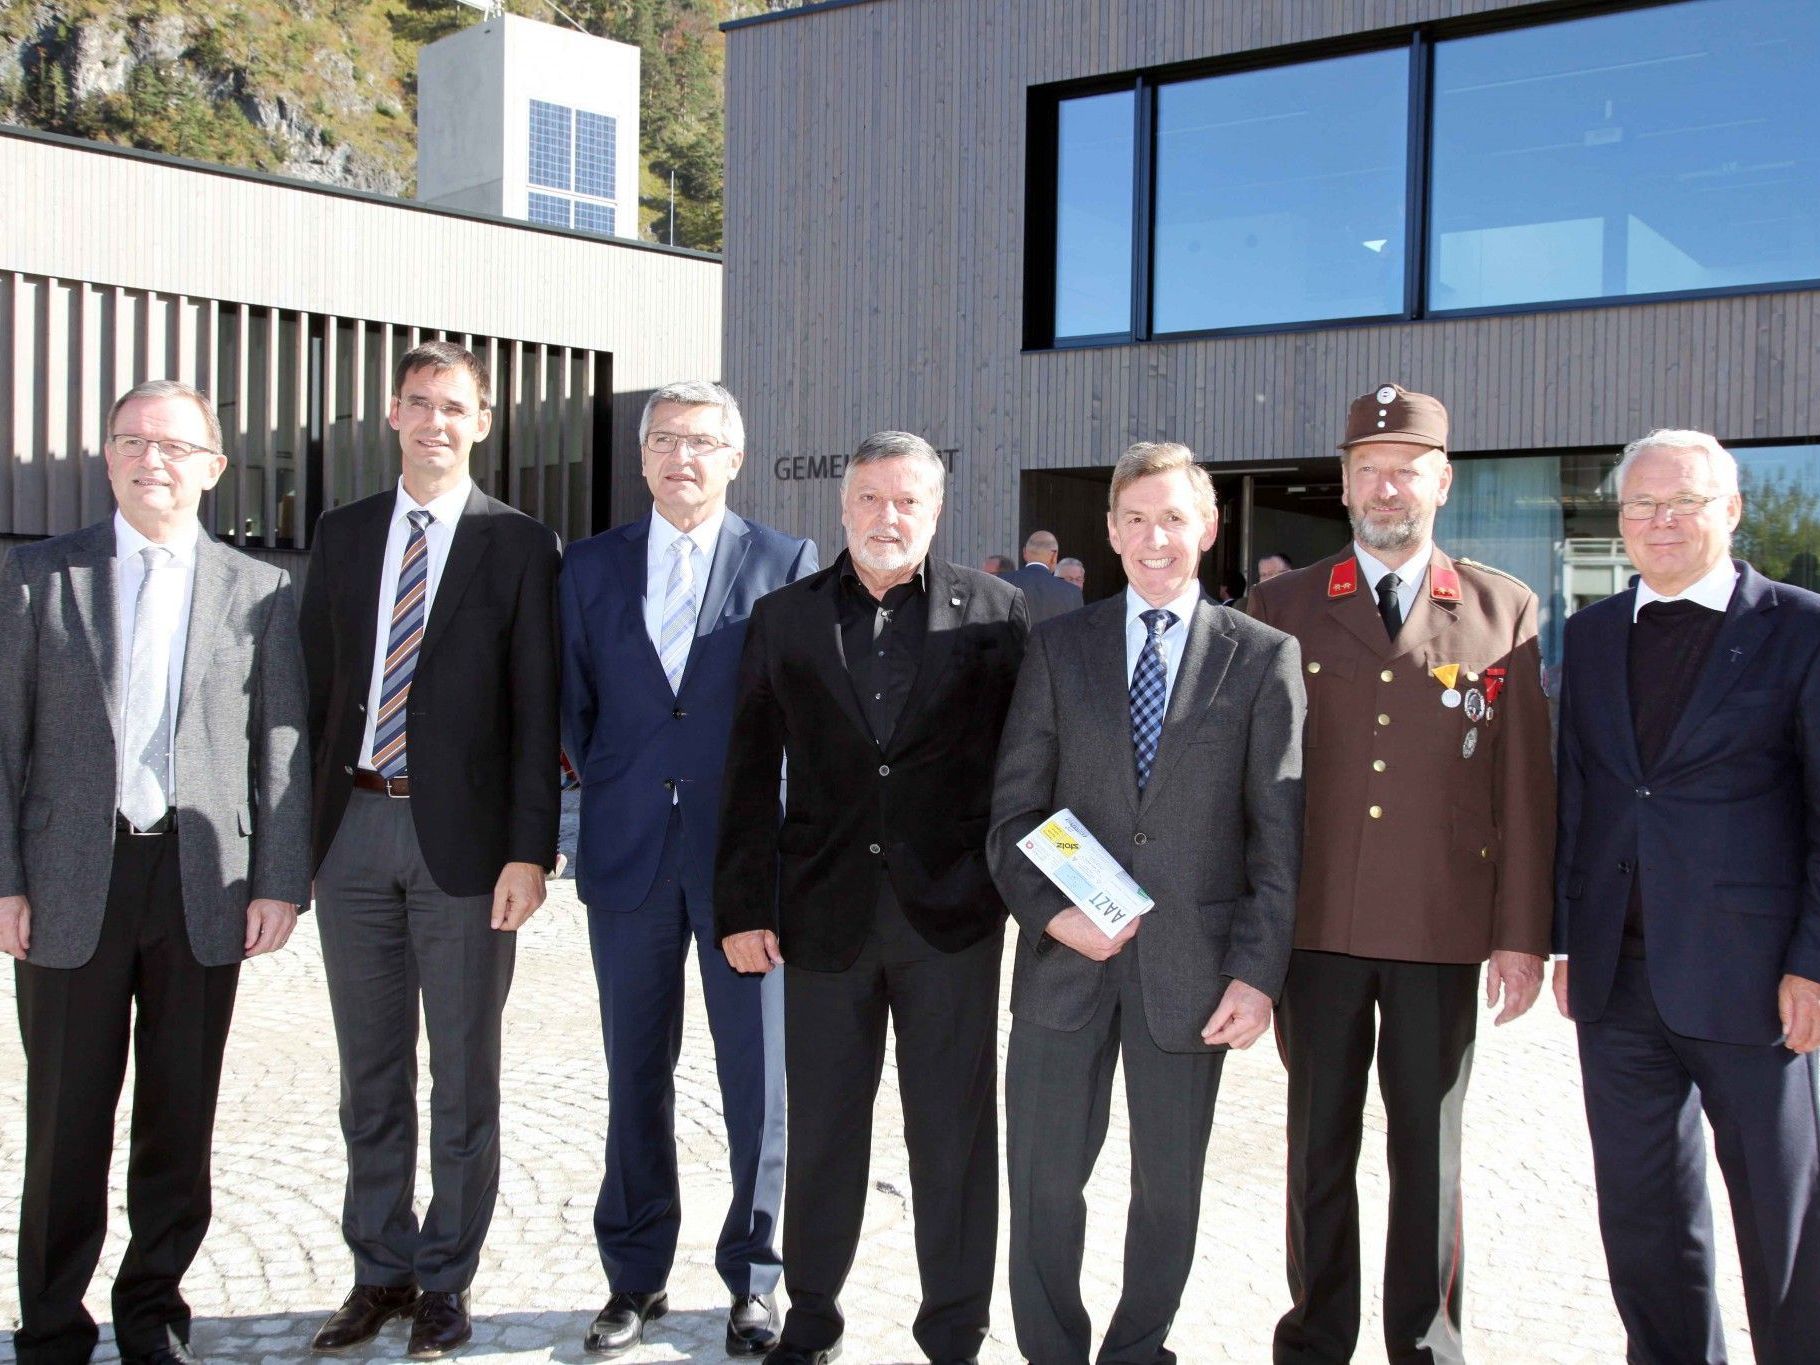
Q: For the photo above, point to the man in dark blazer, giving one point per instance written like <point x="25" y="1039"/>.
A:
<point x="154" y="827"/>
<point x="883" y="680"/>
<point x="1688" y="903"/>
<point x="1172" y="729"/>
<point x="1047" y="594"/>
<point x="429" y="632"/>
<point x="1430" y="840"/>
<point x="654" y="615"/>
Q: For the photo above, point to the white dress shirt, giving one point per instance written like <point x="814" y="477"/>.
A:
<point x="657" y="566"/>
<point x="1409" y="577"/>
<point x="438" y="536"/>
<point x="1712" y="589"/>
<point x="129" y="573"/>
<point x="1174" y="640"/>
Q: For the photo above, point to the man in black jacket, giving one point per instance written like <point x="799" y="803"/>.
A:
<point x="429" y="637"/>
<point x="884" y="680"/>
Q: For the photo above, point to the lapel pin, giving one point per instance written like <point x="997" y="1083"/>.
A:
<point x="1470" y="744"/>
<point x="954" y="601"/>
<point x="1475" y="705"/>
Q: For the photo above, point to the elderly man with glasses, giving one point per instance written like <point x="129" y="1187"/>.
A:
<point x="1688" y="903"/>
<point x="654" y="618"/>
<point x="154" y="832"/>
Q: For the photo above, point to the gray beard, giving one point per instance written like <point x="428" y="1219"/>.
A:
<point x="1398" y="535"/>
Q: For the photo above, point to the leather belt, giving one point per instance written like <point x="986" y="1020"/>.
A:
<point x="164" y="824"/>
<point x="369" y="781"/>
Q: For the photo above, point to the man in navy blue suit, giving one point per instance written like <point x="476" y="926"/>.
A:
<point x="1688" y="903"/>
<point x="654" y="618"/>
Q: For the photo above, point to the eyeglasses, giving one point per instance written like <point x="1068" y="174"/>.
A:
<point x="174" y="452"/>
<point x="664" y="442"/>
<point x="1681" y="505"/>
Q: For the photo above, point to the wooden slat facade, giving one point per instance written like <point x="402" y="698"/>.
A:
<point x="874" y="278"/>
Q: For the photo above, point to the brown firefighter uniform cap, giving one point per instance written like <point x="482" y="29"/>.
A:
<point x="1391" y="412"/>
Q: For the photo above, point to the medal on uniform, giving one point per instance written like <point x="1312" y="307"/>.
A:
<point x="1447" y="675"/>
<point x="1470" y="744"/>
<point x="1475" y="705"/>
<point x="1494" y="684"/>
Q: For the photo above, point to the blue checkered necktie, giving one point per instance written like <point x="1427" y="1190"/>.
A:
<point x="402" y="642"/>
<point x="1149" y="692"/>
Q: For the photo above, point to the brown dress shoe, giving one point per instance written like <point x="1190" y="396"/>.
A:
<point x="367" y="1308"/>
<point x="441" y="1324"/>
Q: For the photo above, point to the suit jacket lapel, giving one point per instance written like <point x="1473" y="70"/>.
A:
<point x="96" y="593"/>
<point x="729" y="557"/>
<point x="1206" y="655"/>
<point x="366" y="568"/>
<point x="1607" y="663"/>
<point x="1357" y="611"/>
<point x="828" y="654"/>
<point x="946" y="598"/>
<point x="1109" y="691"/>
<point x="1429" y="618"/>
<point x="1748" y="617"/>
<point x="472" y="533"/>
<point x="209" y="597"/>
<point x="629" y="555"/>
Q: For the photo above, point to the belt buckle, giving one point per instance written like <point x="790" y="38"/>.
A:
<point x="392" y="795"/>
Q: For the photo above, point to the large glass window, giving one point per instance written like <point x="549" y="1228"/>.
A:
<point x="1648" y="151"/>
<point x="1093" y="213"/>
<point x="551" y="133"/>
<point x="1281" y="194"/>
<point x="595" y="155"/>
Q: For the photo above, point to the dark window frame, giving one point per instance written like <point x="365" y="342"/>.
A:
<point x="1041" y="160"/>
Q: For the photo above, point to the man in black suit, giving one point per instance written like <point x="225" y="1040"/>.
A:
<point x="1047" y="594"/>
<point x="1688" y="901"/>
<point x="884" y="679"/>
<point x="430" y="639"/>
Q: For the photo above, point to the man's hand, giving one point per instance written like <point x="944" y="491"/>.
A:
<point x="1798" y="1002"/>
<point x="1073" y="928"/>
<point x="268" y="926"/>
<point x="1519" y="977"/>
<point x="1240" y="1020"/>
<point x="517" y="895"/>
<point x="1561" y="988"/>
<point x="753" y="952"/>
<point x="15" y="926"/>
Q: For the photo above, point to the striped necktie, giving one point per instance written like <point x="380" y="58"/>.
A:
<point x="389" y="759"/>
<point x="678" y="631"/>
<point x="1149" y="693"/>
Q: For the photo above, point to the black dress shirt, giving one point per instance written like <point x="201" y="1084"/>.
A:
<point x="883" y="643"/>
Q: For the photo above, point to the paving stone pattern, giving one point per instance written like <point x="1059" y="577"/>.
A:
<point x="274" y="1263"/>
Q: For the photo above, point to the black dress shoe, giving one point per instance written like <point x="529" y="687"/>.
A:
<point x="751" y="1325"/>
<point x="620" y="1326"/>
<point x="175" y="1351"/>
<point x="785" y="1354"/>
<point x="439" y="1324"/>
<point x="367" y="1308"/>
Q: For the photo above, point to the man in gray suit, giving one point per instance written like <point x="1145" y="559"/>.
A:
<point x="154" y="831"/>
<point x="1172" y="727"/>
<point x="1046" y="594"/>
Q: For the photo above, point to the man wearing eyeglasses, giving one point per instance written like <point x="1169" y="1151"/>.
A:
<point x="429" y="632"/>
<point x="154" y="829"/>
<point x="1429" y="841"/>
<point x="1688" y="903"/>
<point x="654" y="617"/>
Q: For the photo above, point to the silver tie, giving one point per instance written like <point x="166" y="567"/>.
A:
<point x="146" y="727"/>
<point x="678" y="631"/>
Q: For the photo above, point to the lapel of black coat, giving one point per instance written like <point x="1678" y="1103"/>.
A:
<point x="947" y="595"/>
<point x="473" y="535"/>
<point x="91" y="570"/>
<point x="1206" y="655"/>
<point x="1108" y="685"/>
<point x="1748" y="618"/>
<point x="1605" y="664"/>
<point x="822" y="638"/>
<point x="209" y="597"/>
<point x="368" y="525"/>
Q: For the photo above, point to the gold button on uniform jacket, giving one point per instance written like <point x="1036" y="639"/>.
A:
<point x="1429" y="828"/>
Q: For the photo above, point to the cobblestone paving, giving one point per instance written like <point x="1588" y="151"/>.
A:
<point x="274" y="1263"/>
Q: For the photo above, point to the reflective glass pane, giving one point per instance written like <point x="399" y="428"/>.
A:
<point x="552" y="210"/>
<point x="594" y="217"/>
<point x="1094" y="167"/>
<point x="1281" y="194"/>
<point x="550" y="134"/>
<point x="1670" y="148"/>
<point x="594" y="155"/>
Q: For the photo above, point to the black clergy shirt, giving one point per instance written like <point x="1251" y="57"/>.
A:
<point x="883" y="643"/>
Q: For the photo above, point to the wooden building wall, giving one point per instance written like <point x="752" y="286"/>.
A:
<point x="875" y="229"/>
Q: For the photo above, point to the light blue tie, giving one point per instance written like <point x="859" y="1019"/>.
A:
<point x="1149" y="692"/>
<point x="402" y="644"/>
<point x="678" y="631"/>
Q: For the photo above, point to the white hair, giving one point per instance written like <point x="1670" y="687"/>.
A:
<point x="1719" y="460"/>
<point x="698" y="393"/>
<point x="896" y="445"/>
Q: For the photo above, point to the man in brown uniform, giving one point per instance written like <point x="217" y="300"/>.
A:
<point x="1429" y="835"/>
